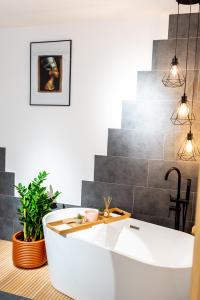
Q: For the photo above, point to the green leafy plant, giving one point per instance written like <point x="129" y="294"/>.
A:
<point x="36" y="202"/>
<point x="80" y="217"/>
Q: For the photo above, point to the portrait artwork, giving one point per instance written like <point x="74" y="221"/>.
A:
<point x="50" y="76"/>
<point x="50" y="73"/>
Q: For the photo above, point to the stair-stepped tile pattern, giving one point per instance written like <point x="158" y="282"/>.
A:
<point x="163" y="51"/>
<point x="92" y="192"/>
<point x="147" y="115"/>
<point x="8" y="202"/>
<point x="150" y="87"/>
<point x="9" y="222"/>
<point x="7" y="181"/>
<point x="140" y="153"/>
<point x="158" y="169"/>
<point x="2" y="159"/>
<point x="122" y="170"/>
<point x="183" y="26"/>
<point x="135" y="143"/>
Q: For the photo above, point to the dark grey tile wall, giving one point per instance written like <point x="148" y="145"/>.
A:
<point x="163" y="52"/>
<point x="150" y="87"/>
<point x="8" y="206"/>
<point x="140" y="153"/>
<point x="94" y="192"/>
<point x="2" y="159"/>
<point x="140" y="113"/>
<point x="155" y="202"/>
<point x="122" y="170"/>
<point x="158" y="169"/>
<point x="183" y="25"/>
<point x="8" y="216"/>
<point x="8" y="203"/>
<point x="7" y="181"/>
<point x="136" y="143"/>
<point x="9" y="223"/>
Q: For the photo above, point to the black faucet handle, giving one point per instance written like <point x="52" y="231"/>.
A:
<point x="172" y="199"/>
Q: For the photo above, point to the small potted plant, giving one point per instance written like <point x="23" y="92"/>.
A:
<point x="79" y="219"/>
<point x="28" y="245"/>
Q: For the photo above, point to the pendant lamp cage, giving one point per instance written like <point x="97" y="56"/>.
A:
<point x="175" y="77"/>
<point x="189" y="150"/>
<point x="183" y="113"/>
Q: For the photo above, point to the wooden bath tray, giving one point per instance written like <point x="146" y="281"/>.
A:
<point x="73" y="226"/>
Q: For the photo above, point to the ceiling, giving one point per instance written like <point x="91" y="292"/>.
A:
<point x="36" y="12"/>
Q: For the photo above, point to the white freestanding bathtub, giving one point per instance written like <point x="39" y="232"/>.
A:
<point x="116" y="262"/>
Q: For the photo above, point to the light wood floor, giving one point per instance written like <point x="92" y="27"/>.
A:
<point x="33" y="284"/>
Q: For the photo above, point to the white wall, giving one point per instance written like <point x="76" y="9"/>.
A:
<point x="106" y="55"/>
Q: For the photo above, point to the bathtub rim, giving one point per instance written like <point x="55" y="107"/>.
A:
<point x="143" y="261"/>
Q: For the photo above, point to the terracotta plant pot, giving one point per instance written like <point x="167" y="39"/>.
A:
<point x="28" y="255"/>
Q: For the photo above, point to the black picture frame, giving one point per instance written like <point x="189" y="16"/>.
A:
<point x="66" y="69"/>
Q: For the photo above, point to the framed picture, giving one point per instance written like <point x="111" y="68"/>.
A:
<point x="50" y="73"/>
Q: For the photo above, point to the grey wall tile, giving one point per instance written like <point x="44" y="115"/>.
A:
<point x="127" y="119"/>
<point x="183" y="25"/>
<point x="164" y="50"/>
<point x="166" y="222"/>
<point x="8" y="207"/>
<point x="17" y="226"/>
<point x="158" y="169"/>
<point x="7" y="181"/>
<point x="153" y="202"/>
<point x="2" y="159"/>
<point x="126" y="169"/>
<point x="150" y="87"/>
<point x="156" y="202"/>
<point x="148" y="115"/>
<point x="122" y="170"/>
<point x="64" y="205"/>
<point x="136" y="143"/>
<point x="6" y="231"/>
<point x="175" y="139"/>
<point x="94" y="192"/>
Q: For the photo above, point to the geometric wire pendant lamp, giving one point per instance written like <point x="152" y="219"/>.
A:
<point x="189" y="150"/>
<point x="183" y="113"/>
<point x="175" y="77"/>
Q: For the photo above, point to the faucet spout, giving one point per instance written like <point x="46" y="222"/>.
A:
<point x="179" y="180"/>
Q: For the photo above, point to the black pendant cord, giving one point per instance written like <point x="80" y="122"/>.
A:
<point x="177" y="24"/>
<point x="196" y="61"/>
<point x="190" y="127"/>
<point x="186" y="64"/>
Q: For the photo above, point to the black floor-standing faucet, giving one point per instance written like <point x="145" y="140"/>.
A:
<point x="178" y="201"/>
<point x="177" y="207"/>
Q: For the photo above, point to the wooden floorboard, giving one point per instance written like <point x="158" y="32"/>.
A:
<point x="33" y="284"/>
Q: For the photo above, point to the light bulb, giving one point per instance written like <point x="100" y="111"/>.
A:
<point x="189" y="151"/>
<point x="174" y="70"/>
<point x="175" y="77"/>
<point x="189" y="147"/>
<point x="183" y="113"/>
<point x="183" y="110"/>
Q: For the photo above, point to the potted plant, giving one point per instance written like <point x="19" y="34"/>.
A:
<point x="28" y="245"/>
<point x="79" y="219"/>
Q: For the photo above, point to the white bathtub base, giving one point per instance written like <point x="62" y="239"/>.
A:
<point x="88" y="271"/>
